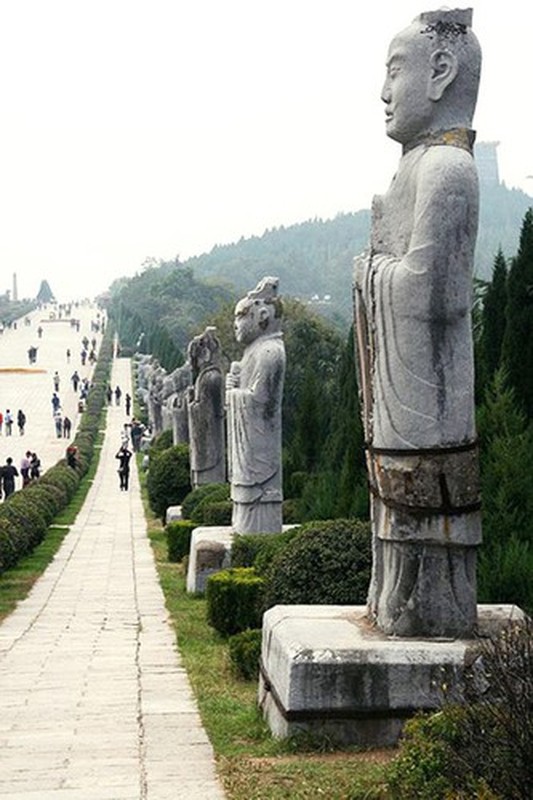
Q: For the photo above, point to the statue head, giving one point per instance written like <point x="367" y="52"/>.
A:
<point x="204" y="350"/>
<point x="259" y="313"/>
<point x="432" y="80"/>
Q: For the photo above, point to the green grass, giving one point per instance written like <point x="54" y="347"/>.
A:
<point x="251" y="763"/>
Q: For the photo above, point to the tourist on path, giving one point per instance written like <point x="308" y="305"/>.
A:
<point x="124" y="456"/>
<point x="136" y="433"/>
<point x="25" y="464"/>
<point x="8" y="422"/>
<point x="67" y="427"/>
<point x="56" y="381"/>
<point x="58" y="421"/>
<point x="35" y="466"/>
<point x="21" y="421"/>
<point x="8" y="474"/>
<point x="118" y="395"/>
<point x="56" y="402"/>
<point x="75" y="380"/>
<point x="127" y="400"/>
<point x="109" y="395"/>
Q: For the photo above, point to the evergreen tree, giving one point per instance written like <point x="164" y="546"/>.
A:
<point x="494" y="316"/>
<point x="45" y="294"/>
<point x="518" y="340"/>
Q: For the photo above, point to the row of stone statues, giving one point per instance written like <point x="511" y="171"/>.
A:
<point x="199" y="403"/>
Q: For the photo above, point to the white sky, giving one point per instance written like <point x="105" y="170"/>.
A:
<point x="136" y="128"/>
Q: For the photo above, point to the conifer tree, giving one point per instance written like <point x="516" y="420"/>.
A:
<point x="518" y="340"/>
<point x="494" y="316"/>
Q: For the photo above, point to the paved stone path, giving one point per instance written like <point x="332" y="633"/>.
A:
<point x="94" y="703"/>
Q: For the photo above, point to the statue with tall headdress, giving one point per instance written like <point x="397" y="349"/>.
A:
<point x="254" y="391"/>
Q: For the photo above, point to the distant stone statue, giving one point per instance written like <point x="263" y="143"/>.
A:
<point x="182" y="377"/>
<point x="415" y="356"/>
<point x="254" y="389"/>
<point x="206" y="410"/>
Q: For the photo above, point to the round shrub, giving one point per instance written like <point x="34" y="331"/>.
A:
<point x="292" y="512"/>
<point x="234" y="600"/>
<point x="160" y="443"/>
<point x="168" y="480"/>
<point x="178" y="536"/>
<point x="217" y="513"/>
<point x="245" y="652"/>
<point x="325" y="563"/>
<point x="194" y="502"/>
<point x="8" y="549"/>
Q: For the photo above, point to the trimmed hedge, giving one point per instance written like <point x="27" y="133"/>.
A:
<point x="234" y="600"/>
<point x="168" y="480"/>
<point x="27" y="513"/>
<point x="194" y="504"/>
<point x="245" y="652"/>
<point x="258" y="549"/>
<point x="217" y="513"/>
<point x="326" y="562"/>
<point x="178" y="536"/>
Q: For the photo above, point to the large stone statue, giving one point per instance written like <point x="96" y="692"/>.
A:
<point x="253" y="398"/>
<point x="206" y="410"/>
<point x="182" y="378"/>
<point x="415" y="357"/>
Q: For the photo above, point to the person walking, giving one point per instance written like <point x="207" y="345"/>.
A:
<point x="8" y="475"/>
<point x="124" y="456"/>
<point x="35" y="466"/>
<point x="56" y="381"/>
<point x="56" y="402"/>
<point x="58" y="421"/>
<point x="8" y="422"/>
<point x="67" y="427"/>
<point x="75" y="380"/>
<point x="68" y="355"/>
<point x="127" y="400"/>
<point x="21" y="421"/>
<point x="25" y="465"/>
<point x="118" y="395"/>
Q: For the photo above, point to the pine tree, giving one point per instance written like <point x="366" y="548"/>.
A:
<point x="518" y="340"/>
<point x="494" y="316"/>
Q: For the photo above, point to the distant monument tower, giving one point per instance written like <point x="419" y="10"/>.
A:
<point x="487" y="163"/>
<point x="15" y="296"/>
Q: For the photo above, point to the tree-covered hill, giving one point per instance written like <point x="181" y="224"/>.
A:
<point x="313" y="259"/>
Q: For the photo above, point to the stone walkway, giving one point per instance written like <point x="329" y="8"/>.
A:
<point x="94" y="703"/>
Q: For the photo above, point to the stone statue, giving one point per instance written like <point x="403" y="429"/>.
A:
<point x="182" y="377"/>
<point x="206" y="410"/>
<point x="254" y="389"/>
<point x="415" y="356"/>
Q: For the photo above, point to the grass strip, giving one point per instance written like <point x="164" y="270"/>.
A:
<point x="251" y="763"/>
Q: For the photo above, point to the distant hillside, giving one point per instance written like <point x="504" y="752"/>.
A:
<point x="314" y="259"/>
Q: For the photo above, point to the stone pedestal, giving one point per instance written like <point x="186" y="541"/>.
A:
<point x="210" y="552"/>
<point x="327" y="671"/>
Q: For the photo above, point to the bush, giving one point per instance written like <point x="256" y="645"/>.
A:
<point x="217" y="513"/>
<point x="160" y="443"/>
<point x="178" y="536"/>
<point x="234" y="600"/>
<point x="168" y="480"/>
<point x="258" y="549"/>
<point x="326" y="562"/>
<point x="483" y="749"/>
<point x="245" y="652"/>
<point x="292" y="512"/>
<point x="194" y="503"/>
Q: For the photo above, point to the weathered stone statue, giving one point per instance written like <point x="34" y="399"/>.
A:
<point x="415" y="359"/>
<point x="254" y="389"/>
<point x="206" y="410"/>
<point x="182" y="377"/>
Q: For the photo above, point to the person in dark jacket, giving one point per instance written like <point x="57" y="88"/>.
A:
<point x="8" y="474"/>
<point x="124" y="456"/>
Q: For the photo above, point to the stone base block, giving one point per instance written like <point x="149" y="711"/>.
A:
<point x="325" y="670"/>
<point x="173" y="514"/>
<point x="209" y="553"/>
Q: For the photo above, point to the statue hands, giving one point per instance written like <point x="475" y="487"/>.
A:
<point x="233" y="378"/>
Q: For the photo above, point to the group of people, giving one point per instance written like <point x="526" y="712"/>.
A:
<point x="30" y="469"/>
<point x="117" y="394"/>
<point x="7" y="421"/>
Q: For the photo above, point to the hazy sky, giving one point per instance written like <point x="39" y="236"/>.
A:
<point x="160" y="128"/>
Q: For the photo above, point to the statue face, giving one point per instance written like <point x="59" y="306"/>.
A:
<point x="408" y="108"/>
<point x="249" y="321"/>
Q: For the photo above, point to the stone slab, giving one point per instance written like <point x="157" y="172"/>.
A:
<point x="326" y="670"/>
<point x="198" y="571"/>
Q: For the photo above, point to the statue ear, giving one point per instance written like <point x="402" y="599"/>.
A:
<point x="263" y="317"/>
<point x="444" y="68"/>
